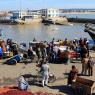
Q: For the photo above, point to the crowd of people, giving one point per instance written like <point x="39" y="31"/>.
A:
<point x="80" y="46"/>
<point x="53" y="52"/>
<point x="7" y="47"/>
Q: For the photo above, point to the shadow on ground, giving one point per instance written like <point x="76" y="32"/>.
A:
<point x="64" y="89"/>
<point x="33" y="79"/>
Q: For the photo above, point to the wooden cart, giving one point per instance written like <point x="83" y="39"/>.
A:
<point x="83" y="86"/>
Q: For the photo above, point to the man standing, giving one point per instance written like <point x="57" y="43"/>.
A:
<point x="91" y="63"/>
<point x="83" y="52"/>
<point x="45" y="73"/>
<point x="85" y="65"/>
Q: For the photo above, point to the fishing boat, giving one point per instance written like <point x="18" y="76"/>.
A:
<point x="46" y="24"/>
<point x="28" y="20"/>
<point x="91" y="31"/>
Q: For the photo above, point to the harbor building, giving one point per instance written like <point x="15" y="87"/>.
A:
<point x="28" y="16"/>
<point x="21" y="14"/>
<point x="5" y="15"/>
<point x="50" y="13"/>
<point x="53" y="15"/>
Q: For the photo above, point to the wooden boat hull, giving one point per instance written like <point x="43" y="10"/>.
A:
<point x="91" y="33"/>
<point x="29" y="21"/>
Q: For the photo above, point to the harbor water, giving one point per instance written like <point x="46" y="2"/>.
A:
<point x="79" y="15"/>
<point x="41" y="32"/>
<point x="26" y="33"/>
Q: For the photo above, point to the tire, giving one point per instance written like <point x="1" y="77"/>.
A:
<point x="52" y="79"/>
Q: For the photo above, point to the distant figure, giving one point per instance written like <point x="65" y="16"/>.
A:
<point x="34" y="40"/>
<point x="85" y="65"/>
<point x="52" y="44"/>
<point x="22" y="83"/>
<point x="91" y="63"/>
<point x="72" y="75"/>
<point x="85" y="41"/>
<point x="8" y="48"/>
<point x="81" y="42"/>
<point x="14" y="49"/>
<point x="3" y="45"/>
<point x="30" y="53"/>
<point x="66" y="42"/>
<point x="53" y="41"/>
<point x="38" y="51"/>
<point x="83" y="52"/>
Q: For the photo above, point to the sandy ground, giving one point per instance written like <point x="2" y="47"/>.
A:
<point x="8" y="72"/>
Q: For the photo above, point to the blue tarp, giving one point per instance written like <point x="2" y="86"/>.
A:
<point x="11" y="60"/>
<point x="1" y="51"/>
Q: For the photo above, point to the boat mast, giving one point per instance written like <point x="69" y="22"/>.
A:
<point x="20" y="7"/>
<point x="0" y="32"/>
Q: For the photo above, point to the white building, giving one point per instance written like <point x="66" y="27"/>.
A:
<point x="5" y="15"/>
<point x="50" y="13"/>
<point x="27" y="17"/>
<point x="28" y="13"/>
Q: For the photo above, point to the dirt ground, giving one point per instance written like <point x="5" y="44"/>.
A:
<point x="9" y="75"/>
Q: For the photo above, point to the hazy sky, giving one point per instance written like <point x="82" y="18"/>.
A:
<point x="39" y="4"/>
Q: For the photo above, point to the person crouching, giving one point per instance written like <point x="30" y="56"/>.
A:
<point x="72" y="75"/>
<point x="22" y="83"/>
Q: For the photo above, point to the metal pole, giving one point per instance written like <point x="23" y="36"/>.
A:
<point x="0" y="32"/>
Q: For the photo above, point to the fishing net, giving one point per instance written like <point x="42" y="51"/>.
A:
<point x="15" y="91"/>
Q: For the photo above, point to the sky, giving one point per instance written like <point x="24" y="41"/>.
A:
<point x="40" y="4"/>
